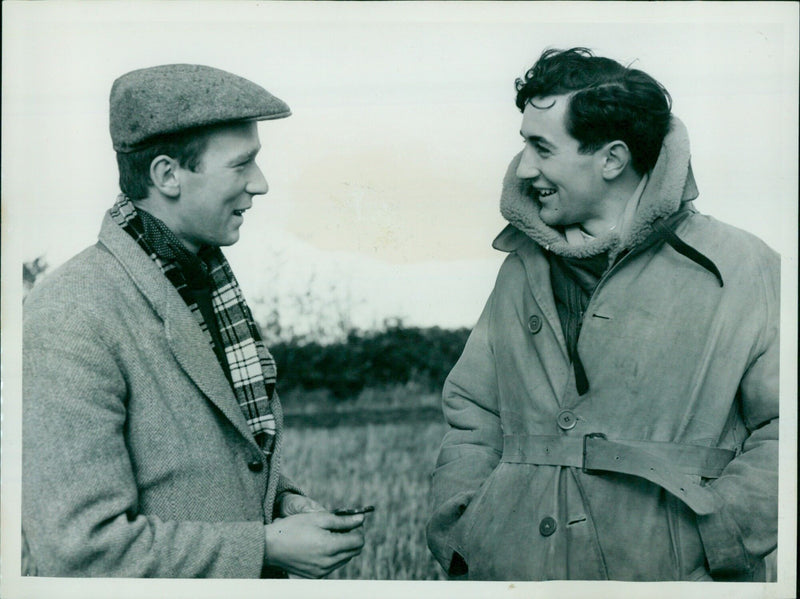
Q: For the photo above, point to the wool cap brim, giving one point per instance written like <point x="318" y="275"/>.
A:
<point x="155" y="101"/>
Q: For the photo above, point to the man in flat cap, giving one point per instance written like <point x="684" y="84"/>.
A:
<point x="614" y="414"/>
<point x="151" y="425"/>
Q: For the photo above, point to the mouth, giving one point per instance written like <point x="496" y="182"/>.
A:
<point x="543" y="192"/>
<point x="240" y="212"/>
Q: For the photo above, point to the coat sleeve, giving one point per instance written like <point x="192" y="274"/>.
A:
<point x="285" y="485"/>
<point x="80" y="512"/>
<point x="744" y="529"/>
<point x="471" y="448"/>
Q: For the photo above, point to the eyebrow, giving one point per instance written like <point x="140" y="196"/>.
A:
<point x="246" y="156"/>
<point x="536" y="138"/>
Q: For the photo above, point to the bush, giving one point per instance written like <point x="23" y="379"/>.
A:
<point x="395" y="355"/>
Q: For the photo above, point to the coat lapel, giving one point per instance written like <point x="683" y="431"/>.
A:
<point x="184" y="336"/>
<point x="537" y="271"/>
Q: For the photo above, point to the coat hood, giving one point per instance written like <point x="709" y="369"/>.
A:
<point x="670" y="185"/>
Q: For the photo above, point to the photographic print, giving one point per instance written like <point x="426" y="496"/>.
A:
<point x="393" y="184"/>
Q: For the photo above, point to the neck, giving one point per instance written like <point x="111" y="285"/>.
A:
<point x="157" y="206"/>
<point x="612" y="205"/>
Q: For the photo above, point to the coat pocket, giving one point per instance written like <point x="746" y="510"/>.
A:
<point x="503" y="538"/>
<point x="690" y="555"/>
<point x="477" y="511"/>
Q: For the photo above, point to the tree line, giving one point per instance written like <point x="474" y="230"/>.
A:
<point x="395" y="355"/>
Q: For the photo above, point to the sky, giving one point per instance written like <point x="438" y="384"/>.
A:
<point x="384" y="184"/>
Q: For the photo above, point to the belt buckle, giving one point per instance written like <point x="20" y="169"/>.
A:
<point x="590" y="436"/>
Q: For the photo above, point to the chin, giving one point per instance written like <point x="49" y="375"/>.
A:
<point x="550" y="218"/>
<point x="221" y="243"/>
<point x="231" y="239"/>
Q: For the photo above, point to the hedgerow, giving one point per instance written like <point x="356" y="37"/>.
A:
<point x="396" y="355"/>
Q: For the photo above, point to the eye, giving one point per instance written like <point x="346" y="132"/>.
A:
<point x="540" y="149"/>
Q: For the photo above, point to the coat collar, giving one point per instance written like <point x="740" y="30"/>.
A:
<point x="184" y="336"/>
<point x="671" y="184"/>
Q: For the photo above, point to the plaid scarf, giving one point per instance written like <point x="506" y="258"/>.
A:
<point x="251" y="368"/>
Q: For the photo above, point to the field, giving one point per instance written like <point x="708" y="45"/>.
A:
<point x="387" y="465"/>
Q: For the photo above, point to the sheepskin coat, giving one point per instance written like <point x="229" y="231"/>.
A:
<point x="137" y="459"/>
<point x="667" y="467"/>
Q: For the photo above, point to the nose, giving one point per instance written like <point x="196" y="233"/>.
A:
<point x="257" y="185"/>
<point x="528" y="165"/>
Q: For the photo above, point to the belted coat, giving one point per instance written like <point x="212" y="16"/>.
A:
<point x="137" y="459"/>
<point x="667" y="467"/>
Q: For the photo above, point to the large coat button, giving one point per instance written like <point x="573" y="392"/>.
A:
<point x="547" y="526"/>
<point x="256" y="465"/>
<point x="535" y="323"/>
<point x="566" y="419"/>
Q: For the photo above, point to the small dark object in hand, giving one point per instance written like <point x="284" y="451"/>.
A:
<point x="354" y="510"/>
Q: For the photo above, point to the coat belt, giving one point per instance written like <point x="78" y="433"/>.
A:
<point x="673" y="466"/>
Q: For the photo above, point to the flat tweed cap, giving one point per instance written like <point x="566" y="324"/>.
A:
<point x="173" y="97"/>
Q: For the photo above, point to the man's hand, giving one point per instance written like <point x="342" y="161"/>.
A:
<point x="313" y="544"/>
<point x="290" y="504"/>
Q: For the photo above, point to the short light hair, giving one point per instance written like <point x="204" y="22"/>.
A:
<point x="186" y="147"/>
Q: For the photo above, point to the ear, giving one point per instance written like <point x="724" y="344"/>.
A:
<point x="164" y="175"/>
<point x="616" y="158"/>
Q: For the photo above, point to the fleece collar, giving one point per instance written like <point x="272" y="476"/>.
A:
<point x="671" y="183"/>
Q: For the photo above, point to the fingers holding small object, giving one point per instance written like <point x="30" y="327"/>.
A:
<point x="354" y="510"/>
<point x="346" y="557"/>
<point x="352" y="540"/>
<point x="292" y="504"/>
<point x="343" y="523"/>
<point x="347" y="546"/>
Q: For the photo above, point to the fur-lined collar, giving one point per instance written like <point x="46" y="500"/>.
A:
<point x="671" y="184"/>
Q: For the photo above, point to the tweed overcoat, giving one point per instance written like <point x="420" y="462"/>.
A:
<point x="667" y="467"/>
<point x="137" y="459"/>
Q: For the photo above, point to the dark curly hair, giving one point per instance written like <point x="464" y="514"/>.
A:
<point x="608" y="101"/>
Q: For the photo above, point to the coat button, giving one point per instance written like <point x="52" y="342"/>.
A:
<point x="566" y="419"/>
<point x="535" y="324"/>
<point x="256" y="465"/>
<point x="547" y="526"/>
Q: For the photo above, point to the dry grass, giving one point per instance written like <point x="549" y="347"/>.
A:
<point x="385" y="465"/>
